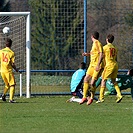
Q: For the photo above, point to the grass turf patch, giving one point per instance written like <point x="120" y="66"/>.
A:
<point x="53" y="115"/>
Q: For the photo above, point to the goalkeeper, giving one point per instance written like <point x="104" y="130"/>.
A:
<point x="124" y="82"/>
<point x="76" y="86"/>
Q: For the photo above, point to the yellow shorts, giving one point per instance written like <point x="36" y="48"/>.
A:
<point x="8" y="78"/>
<point x="110" y="72"/>
<point x="93" y="73"/>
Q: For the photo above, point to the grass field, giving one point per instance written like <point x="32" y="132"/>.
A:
<point x="53" y="115"/>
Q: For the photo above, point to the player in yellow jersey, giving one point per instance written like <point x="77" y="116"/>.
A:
<point x="7" y="58"/>
<point x="110" y="69"/>
<point x="94" y="69"/>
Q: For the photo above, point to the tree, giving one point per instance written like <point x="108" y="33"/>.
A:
<point x="4" y="6"/>
<point x="55" y="32"/>
<point x="129" y="19"/>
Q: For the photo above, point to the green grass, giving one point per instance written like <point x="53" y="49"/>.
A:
<point x="53" y="115"/>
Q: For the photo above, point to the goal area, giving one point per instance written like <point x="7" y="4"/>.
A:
<point x="19" y="24"/>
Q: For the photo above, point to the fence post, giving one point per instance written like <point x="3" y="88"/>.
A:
<point x="21" y="93"/>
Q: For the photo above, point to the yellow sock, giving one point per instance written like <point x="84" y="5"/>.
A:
<point x="93" y="89"/>
<point x="5" y="90"/>
<point x="117" y="90"/>
<point x="102" y="89"/>
<point x="85" y="89"/>
<point x="12" y="91"/>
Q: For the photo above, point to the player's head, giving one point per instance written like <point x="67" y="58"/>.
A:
<point x="110" y="38"/>
<point x="95" y="35"/>
<point x="130" y="72"/>
<point x="8" y="42"/>
<point x="83" y="65"/>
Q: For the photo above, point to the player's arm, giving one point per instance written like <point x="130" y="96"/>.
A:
<point x="14" y="67"/>
<point x="86" y="54"/>
<point x="99" y="61"/>
<point x="12" y="63"/>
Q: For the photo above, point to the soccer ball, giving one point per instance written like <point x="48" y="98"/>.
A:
<point x="6" y="30"/>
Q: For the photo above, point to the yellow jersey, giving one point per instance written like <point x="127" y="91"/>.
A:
<point x="94" y="53"/>
<point x="7" y="57"/>
<point x="110" y="54"/>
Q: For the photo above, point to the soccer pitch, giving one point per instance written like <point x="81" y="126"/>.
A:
<point x="53" y="115"/>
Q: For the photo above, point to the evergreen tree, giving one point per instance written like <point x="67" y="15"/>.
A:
<point x="55" y="32"/>
<point x="129" y="19"/>
<point x="4" y="6"/>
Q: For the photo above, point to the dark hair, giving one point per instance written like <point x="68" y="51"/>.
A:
<point x="83" y="65"/>
<point x="95" y="34"/>
<point x="110" y="38"/>
<point x="8" y="42"/>
<point x="131" y="72"/>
